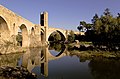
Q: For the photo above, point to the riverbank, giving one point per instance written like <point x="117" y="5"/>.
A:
<point x="90" y="46"/>
<point x="95" y="54"/>
<point x="11" y="49"/>
<point x="7" y="72"/>
<point x="87" y="49"/>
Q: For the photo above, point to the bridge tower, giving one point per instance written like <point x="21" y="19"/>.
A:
<point x="44" y="19"/>
<point x="44" y="23"/>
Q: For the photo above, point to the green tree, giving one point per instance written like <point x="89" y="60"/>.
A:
<point x="81" y="26"/>
<point x="71" y="36"/>
<point x="105" y="29"/>
<point x="19" y="39"/>
<point x="55" y="36"/>
<point x="95" y="18"/>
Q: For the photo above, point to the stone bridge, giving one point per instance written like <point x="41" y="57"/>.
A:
<point x="33" y="35"/>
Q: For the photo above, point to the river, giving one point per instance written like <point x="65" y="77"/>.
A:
<point x="54" y="63"/>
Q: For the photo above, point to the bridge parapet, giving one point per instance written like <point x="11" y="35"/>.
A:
<point x="12" y="19"/>
<point x="11" y="14"/>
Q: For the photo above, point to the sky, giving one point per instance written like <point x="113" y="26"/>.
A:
<point x="64" y="14"/>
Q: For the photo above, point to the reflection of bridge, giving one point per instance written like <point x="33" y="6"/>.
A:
<point x="39" y="57"/>
<point x="32" y="34"/>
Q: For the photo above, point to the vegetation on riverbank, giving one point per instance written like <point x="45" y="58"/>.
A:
<point x="103" y="31"/>
<point x="89" y="51"/>
<point x="95" y="54"/>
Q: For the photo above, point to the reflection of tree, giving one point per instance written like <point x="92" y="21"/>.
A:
<point x="105" y="68"/>
<point x="56" y="46"/>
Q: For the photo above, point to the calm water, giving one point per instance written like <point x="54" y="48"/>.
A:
<point x="50" y="64"/>
<point x="52" y="67"/>
<point x="69" y="67"/>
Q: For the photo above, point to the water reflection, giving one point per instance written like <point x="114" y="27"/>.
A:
<point x="10" y="59"/>
<point x="105" y="68"/>
<point x="102" y="68"/>
<point x="36" y="61"/>
<point x="65" y="66"/>
<point x="59" y="48"/>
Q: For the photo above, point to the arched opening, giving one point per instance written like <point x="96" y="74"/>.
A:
<point x="32" y="37"/>
<point x="24" y="34"/>
<point x="56" y="40"/>
<point x="32" y="31"/>
<point x="56" y="36"/>
<point x="4" y="30"/>
<point x="19" y="37"/>
<point x="42" y="35"/>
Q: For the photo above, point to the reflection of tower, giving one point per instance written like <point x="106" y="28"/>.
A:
<point x="44" y="22"/>
<point x="35" y="57"/>
<point x="44" y="66"/>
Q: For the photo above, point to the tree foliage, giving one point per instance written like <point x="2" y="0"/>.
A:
<point x="106" y="29"/>
<point x="71" y="36"/>
<point x="55" y="36"/>
<point x="19" y="39"/>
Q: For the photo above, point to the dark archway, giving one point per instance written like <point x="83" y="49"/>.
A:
<point x="32" y="31"/>
<point x="24" y="33"/>
<point x="19" y="37"/>
<point x="56" y="36"/>
<point x="4" y="30"/>
<point x="42" y="35"/>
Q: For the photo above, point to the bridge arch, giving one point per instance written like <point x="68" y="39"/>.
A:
<point x="4" y="29"/>
<point x="60" y="55"/>
<point x="54" y="53"/>
<point x="25" y="36"/>
<point x="63" y="37"/>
